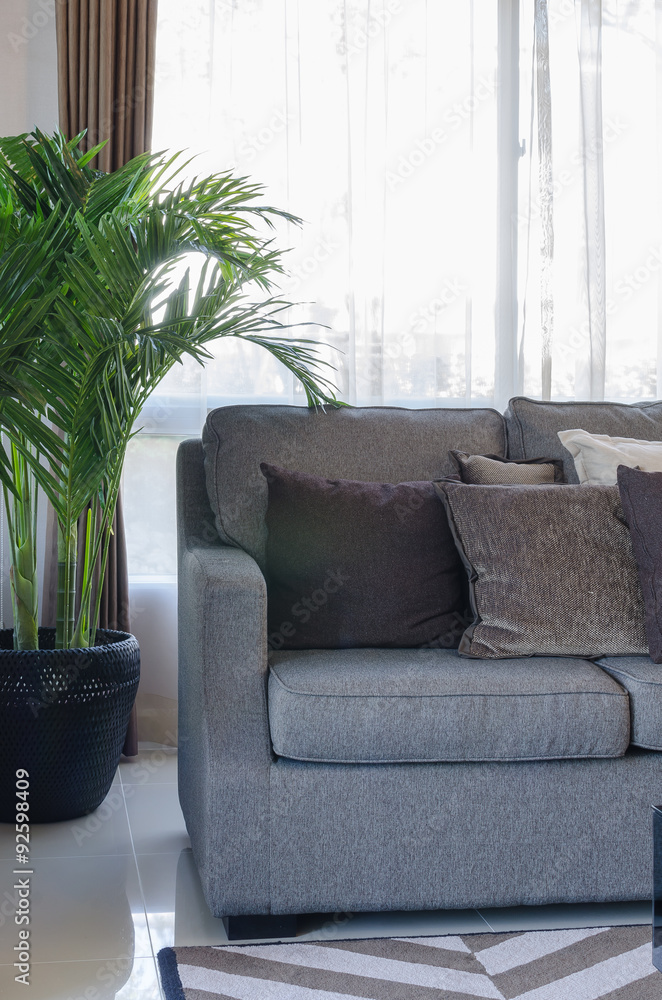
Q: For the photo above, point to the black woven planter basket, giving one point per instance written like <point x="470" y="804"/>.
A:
<point x="63" y="718"/>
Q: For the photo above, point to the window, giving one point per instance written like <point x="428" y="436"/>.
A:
<point x="479" y="184"/>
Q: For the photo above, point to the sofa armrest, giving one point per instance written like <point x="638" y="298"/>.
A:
<point x="224" y="744"/>
<point x="223" y="651"/>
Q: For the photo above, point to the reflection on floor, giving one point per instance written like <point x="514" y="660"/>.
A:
<point x="111" y="889"/>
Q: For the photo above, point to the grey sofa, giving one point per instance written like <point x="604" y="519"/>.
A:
<point x="331" y="780"/>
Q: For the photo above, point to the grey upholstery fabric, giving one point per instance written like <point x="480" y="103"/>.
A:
<point x="384" y="705"/>
<point x="551" y="568"/>
<point x="532" y="425"/>
<point x="224" y="745"/>
<point x="642" y="679"/>
<point x="379" y="444"/>
<point x="488" y="470"/>
<point x="281" y="836"/>
<point x="429" y="836"/>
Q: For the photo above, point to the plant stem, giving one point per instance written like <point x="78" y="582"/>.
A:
<point x="81" y="635"/>
<point x="67" y="544"/>
<point x="21" y="523"/>
<point x="97" y="547"/>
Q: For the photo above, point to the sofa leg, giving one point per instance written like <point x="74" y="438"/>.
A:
<point x="246" y="928"/>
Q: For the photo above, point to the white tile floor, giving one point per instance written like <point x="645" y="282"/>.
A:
<point x="112" y="889"/>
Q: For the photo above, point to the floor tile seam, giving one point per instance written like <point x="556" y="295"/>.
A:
<point x="137" y="761"/>
<point x="81" y="961"/>
<point x="140" y="881"/>
<point x="144" y="784"/>
<point x="165" y="854"/>
<point x="485" y="920"/>
<point x="75" y="857"/>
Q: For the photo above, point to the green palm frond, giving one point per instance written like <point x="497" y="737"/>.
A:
<point x="97" y="305"/>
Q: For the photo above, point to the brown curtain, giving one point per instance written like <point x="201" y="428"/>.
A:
<point x="106" y="52"/>
<point x="106" y="57"/>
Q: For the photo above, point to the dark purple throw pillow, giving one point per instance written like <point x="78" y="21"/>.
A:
<point x="360" y="564"/>
<point x="641" y="498"/>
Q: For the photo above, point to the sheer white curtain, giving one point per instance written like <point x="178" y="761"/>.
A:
<point x="589" y="207"/>
<point x="375" y="121"/>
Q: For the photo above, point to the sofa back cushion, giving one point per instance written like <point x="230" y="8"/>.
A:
<point x="532" y="426"/>
<point x="374" y="444"/>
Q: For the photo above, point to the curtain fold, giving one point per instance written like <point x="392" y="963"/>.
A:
<point x="106" y="53"/>
<point x="106" y="59"/>
<point x="589" y="281"/>
<point x="591" y="374"/>
<point x="545" y="166"/>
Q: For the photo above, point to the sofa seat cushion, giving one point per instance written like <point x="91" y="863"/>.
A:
<point x="642" y="679"/>
<point x="357" y="706"/>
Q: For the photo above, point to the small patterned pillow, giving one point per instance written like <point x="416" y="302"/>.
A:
<point x="492" y="470"/>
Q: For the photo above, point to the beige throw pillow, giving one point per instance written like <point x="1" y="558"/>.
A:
<point x="492" y="470"/>
<point x="597" y="456"/>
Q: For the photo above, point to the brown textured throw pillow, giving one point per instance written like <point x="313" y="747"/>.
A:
<point x="360" y="564"/>
<point x="551" y="569"/>
<point x="641" y="496"/>
<point x="492" y="470"/>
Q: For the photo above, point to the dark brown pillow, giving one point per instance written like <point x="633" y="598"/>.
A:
<point x="551" y="569"/>
<point x="641" y="496"/>
<point x="492" y="470"/>
<point x="360" y="564"/>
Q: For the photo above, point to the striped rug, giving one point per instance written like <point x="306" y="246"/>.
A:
<point x="613" y="963"/>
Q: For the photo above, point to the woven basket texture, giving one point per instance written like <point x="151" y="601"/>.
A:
<point x="63" y="719"/>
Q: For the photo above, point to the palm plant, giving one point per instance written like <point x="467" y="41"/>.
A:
<point x="92" y="317"/>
